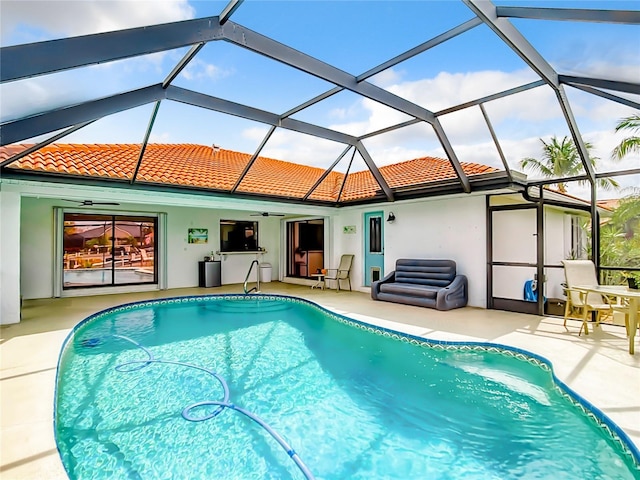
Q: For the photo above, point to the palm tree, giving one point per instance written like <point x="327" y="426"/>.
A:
<point x="560" y="158"/>
<point x="631" y="144"/>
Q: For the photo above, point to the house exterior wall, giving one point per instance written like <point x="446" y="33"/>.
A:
<point x="9" y="257"/>
<point x="452" y="228"/>
<point x="37" y="245"/>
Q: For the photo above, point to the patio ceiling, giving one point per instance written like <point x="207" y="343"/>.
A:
<point x="336" y="148"/>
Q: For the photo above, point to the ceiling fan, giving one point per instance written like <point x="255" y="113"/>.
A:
<point x="88" y="203"/>
<point x="267" y="214"/>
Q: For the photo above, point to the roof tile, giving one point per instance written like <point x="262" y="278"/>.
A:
<point x="202" y="167"/>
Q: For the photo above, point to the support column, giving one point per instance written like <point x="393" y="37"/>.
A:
<point x="9" y="257"/>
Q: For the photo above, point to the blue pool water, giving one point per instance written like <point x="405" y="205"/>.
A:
<point x="345" y="401"/>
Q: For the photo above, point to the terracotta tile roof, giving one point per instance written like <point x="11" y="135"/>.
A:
<point x="410" y="173"/>
<point x="200" y="166"/>
<point x="609" y="203"/>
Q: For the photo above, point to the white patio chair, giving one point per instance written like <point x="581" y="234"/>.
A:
<point x="583" y="272"/>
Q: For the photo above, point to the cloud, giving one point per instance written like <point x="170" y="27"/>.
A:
<point x="449" y="89"/>
<point x="44" y="93"/>
<point x="72" y="18"/>
<point x="200" y="70"/>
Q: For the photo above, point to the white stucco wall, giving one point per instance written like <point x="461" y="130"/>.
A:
<point x="9" y="257"/>
<point x="37" y="244"/>
<point x="452" y="228"/>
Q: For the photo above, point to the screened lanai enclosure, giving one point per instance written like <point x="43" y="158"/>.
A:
<point x="337" y="104"/>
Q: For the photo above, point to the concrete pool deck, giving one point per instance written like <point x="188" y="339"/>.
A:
<point x="597" y="366"/>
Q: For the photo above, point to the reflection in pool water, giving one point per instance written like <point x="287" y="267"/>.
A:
<point x="352" y="401"/>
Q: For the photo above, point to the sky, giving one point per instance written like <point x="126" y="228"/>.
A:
<point x="354" y="36"/>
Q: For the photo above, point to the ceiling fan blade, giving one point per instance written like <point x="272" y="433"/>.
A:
<point x="88" y="203"/>
<point x="267" y="214"/>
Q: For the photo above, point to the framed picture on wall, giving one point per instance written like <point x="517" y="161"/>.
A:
<point x="198" y="235"/>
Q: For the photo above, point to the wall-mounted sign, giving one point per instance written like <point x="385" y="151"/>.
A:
<point x="349" y="229"/>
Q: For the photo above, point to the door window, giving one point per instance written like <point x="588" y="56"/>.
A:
<point x="375" y="235"/>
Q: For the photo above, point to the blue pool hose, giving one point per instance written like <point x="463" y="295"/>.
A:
<point x="136" y="365"/>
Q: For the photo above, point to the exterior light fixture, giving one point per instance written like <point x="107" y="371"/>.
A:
<point x="391" y="218"/>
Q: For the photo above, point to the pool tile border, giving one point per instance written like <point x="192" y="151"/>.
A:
<point x="614" y="432"/>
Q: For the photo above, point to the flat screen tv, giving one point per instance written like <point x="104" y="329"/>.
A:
<point x="238" y="236"/>
<point x="311" y="236"/>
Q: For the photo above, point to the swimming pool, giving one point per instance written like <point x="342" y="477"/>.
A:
<point x="348" y="400"/>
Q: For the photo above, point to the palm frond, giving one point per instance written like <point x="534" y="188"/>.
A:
<point x="629" y="123"/>
<point x="626" y="146"/>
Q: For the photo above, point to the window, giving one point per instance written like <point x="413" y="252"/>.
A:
<point x="578" y="237"/>
<point x="108" y="250"/>
<point x="375" y="235"/>
<point x="237" y="236"/>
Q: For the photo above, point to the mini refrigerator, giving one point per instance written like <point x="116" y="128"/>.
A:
<point x="209" y="274"/>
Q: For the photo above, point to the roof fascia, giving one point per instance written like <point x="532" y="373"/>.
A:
<point x="558" y="200"/>
<point x="571" y="14"/>
<point x="22" y="175"/>
<point x="30" y="127"/>
<point x="33" y="59"/>
<point x="481" y="183"/>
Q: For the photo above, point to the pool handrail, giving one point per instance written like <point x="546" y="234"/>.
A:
<point x="246" y="279"/>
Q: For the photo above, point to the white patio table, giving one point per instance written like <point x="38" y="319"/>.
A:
<point x="632" y="296"/>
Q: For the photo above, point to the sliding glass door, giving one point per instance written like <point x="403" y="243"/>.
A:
<point x="108" y="250"/>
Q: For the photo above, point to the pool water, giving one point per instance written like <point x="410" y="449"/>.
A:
<point x="352" y="402"/>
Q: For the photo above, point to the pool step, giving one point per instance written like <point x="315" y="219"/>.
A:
<point x="247" y="306"/>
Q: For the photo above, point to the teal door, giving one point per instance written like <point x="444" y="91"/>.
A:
<point x="373" y="247"/>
